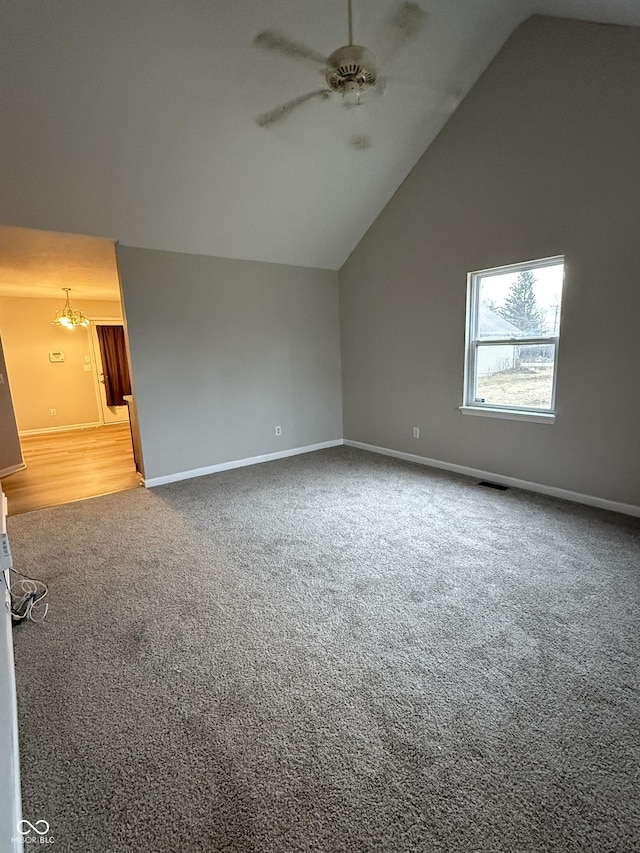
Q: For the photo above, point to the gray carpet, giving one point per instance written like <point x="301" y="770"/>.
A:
<point x="333" y="652"/>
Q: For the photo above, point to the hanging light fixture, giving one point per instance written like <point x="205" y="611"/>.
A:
<point x="69" y="317"/>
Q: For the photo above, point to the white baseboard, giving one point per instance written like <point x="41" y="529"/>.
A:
<point x="68" y="428"/>
<point x="476" y="473"/>
<point x="238" y="463"/>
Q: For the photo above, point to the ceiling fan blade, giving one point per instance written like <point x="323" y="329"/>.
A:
<point x="273" y="40"/>
<point x="283" y="110"/>
<point x="401" y="27"/>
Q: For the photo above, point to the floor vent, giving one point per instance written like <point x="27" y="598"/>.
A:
<point x="497" y="486"/>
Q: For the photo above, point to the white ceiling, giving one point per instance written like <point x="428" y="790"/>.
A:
<point x="134" y="119"/>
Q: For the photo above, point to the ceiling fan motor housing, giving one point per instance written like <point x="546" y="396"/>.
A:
<point x="351" y="67"/>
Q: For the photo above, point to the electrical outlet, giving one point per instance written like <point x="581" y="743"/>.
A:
<point x="278" y="430"/>
<point x="86" y="368"/>
<point x="53" y="413"/>
<point x="416" y="432"/>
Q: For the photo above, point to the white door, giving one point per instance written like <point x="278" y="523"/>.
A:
<point x="109" y="414"/>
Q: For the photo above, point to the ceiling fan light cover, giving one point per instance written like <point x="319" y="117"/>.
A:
<point x="351" y="67"/>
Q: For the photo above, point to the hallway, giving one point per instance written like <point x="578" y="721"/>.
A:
<point x="73" y="465"/>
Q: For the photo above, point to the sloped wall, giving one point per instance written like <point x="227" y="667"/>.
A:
<point x="540" y="159"/>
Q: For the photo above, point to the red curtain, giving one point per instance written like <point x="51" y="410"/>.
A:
<point x="114" y="364"/>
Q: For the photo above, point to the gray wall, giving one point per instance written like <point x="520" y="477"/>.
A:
<point x="224" y="350"/>
<point x="541" y="159"/>
<point x="10" y="450"/>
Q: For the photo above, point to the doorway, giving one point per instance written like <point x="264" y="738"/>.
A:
<point x="76" y="442"/>
<point x="114" y="413"/>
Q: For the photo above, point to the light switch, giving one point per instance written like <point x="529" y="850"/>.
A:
<point x="87" y="368"/>
<point x="87" y="358"/>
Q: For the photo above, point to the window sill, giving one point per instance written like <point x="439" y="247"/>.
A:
<point x="532" y="417"/>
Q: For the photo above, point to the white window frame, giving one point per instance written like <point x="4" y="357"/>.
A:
<point x="472" y="406"/>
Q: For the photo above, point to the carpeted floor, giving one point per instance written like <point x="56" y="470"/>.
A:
<point x="333" y="652"/>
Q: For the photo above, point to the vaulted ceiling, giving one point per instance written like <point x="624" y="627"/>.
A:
<point x="135" y="119"/>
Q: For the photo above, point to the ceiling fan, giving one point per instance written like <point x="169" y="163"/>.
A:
<point x="350" y="71"/>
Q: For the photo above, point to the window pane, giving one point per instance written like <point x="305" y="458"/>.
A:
<point x="515" y="375"/>
<point x="520" y="304"/>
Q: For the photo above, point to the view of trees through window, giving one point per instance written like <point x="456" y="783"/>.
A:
<point x="517" y="303"/>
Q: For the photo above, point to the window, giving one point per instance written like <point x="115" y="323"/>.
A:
<point x="513" y="327"/>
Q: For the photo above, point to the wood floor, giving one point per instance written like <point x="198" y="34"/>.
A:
<point x="70" y="466"/>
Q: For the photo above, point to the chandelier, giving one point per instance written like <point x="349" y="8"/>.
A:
<point x="69" y="317"/>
